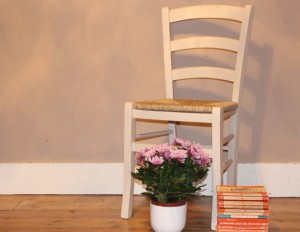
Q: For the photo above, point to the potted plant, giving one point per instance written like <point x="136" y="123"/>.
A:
<point x="171" y="174"/>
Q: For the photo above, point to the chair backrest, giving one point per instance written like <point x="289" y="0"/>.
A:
<point x="239" y="45"/>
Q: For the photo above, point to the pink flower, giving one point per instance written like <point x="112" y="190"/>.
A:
<point x="205" y="159"/>
<point x="149" y="153"/>
<point x="140" y="158"/>
<point x="156" y="160"/>
<point x="196" y="151"/>
<point x="180" y="155"/>
<point x="164" y="150"/>
<point x="181" y="142"/>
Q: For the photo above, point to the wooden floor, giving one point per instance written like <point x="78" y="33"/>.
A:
<point x="91" y="213"/>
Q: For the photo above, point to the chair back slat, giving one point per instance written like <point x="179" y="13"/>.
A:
<point x="205" y="42"/>
<point x="203" y="73"/>
<point x="207" y="12"/>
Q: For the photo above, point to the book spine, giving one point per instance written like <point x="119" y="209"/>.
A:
<point x="259" y="207"/>
<point x="242" y="197"/>
<point x="243" y="221"/>
<point x="241" y="190"/>
<point x="243" y="194"/>
<point x="227" y="188"/>
<point x="244" y="211"/>
<point x="247" y="227"/>
<point x="241" y="216"/>
<point x="243" y="230"/>
<point x="262" y="203"/>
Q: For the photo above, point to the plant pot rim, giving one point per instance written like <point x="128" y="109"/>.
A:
<point x="169" y="204"/>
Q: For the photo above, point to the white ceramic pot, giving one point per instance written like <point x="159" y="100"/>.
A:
<point x="168" y="217"/>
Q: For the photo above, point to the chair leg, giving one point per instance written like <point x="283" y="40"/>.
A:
<point x="233" y="151"/>
<point x="128" y="184"/>
<point x="172" y="126"/>
<point x="217" y="157"/>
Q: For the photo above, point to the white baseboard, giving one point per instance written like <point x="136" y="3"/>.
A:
<point x="281" y="180"/>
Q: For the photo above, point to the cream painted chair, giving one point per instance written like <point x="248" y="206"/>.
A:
<point x="171" y="110"/>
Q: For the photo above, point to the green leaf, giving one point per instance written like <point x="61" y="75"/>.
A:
<point x="179" y="179"/>
<point x="161" y="197"/>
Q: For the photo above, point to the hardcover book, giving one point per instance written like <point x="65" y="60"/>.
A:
<point x="233" y="190"/>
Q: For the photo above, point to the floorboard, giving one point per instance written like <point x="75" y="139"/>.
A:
<point x="91" y="213"/>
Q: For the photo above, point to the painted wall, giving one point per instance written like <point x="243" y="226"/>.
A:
<point x="68" y="66"/>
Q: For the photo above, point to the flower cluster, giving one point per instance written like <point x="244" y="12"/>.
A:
<point x="171" y="172"/>
<point x="179" y="150"/>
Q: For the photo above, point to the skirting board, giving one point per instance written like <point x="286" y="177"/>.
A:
<point x="280" y="180"/>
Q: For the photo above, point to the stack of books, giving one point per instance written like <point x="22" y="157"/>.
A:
<point x="242" y="208"/>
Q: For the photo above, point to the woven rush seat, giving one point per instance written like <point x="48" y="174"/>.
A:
<point x="184" y="105"/>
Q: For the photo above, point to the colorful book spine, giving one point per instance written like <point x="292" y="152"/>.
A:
<point x="242" y="198"/>
<point x="244" y="211"/>
<point x="263" y="229"/>
<point x="241" y="216"/>
<point x="246" y="227"/>
<point x="233" y="190"/>
<point x="245" y="221"/>
<point x="243" y="206"/>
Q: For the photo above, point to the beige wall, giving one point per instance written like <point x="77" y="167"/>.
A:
<point x="68" y="66"/>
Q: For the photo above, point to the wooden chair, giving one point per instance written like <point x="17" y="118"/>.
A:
<point x="171" y="110"/>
